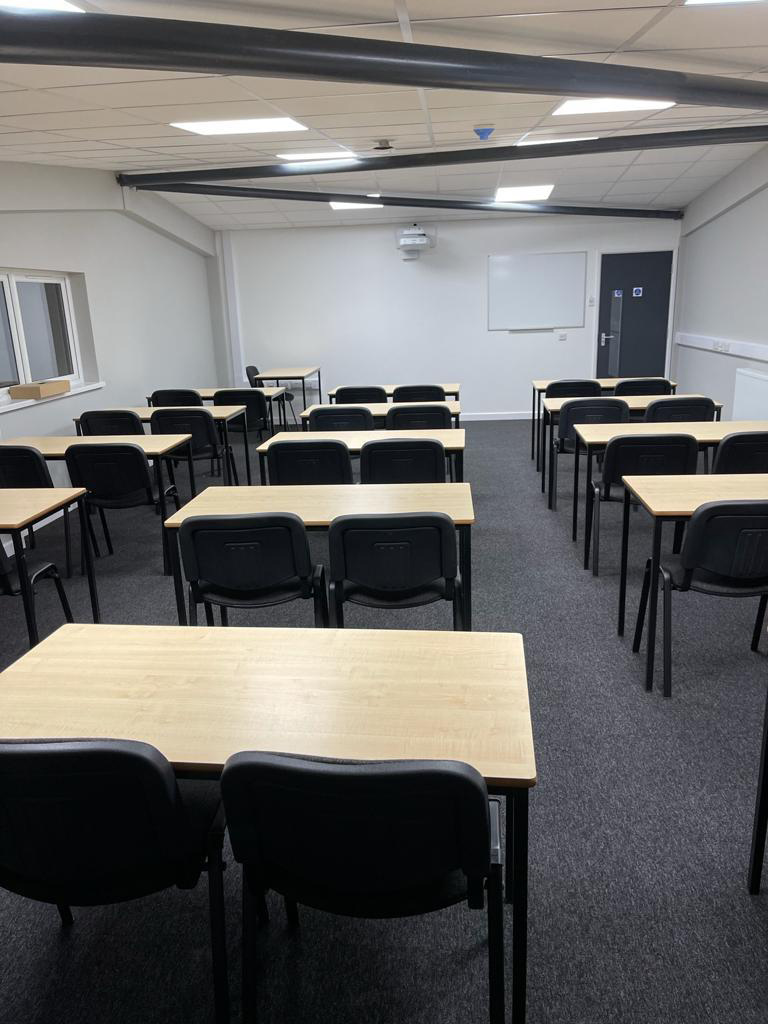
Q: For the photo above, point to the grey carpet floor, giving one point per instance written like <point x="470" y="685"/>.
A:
<point x="640" y="823"/>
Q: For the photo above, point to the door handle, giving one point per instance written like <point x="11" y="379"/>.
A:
<point x="605" y="337"/>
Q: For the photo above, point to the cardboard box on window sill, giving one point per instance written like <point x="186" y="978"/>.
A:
<point x="39" y="389"/>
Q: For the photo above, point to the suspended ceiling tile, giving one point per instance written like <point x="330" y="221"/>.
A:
<point x="202" y="111"/>
<point x="9" y="140"/>
<point x="74" y="119"/>
<point x="636" y="188"/>
<point x="651" y="172"/>
<point x="718" y="61"/>
<point x="30" y="101"/>
<point x="715" y="27"/>
<point x="459" y="9"/>
<point x="374" y="122"/>
<point x="43" y="76"/>
<point x="437" y="98"/>
<point x="277" y="89"/>
<point x="405" y="99"/>
<point x="491" y="114"/>
<point x="159" y="93"/>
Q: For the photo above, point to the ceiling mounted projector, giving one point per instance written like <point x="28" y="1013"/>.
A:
<point x="414" y="240"/>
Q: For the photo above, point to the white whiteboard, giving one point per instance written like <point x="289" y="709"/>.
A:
<point x="536" y="291"/>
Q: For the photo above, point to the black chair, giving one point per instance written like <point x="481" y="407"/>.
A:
<point x="175" y="396"/>
<point x="643" y="386"/>
<point x="309" y="462"/>
<point x="365" y="839"/>
<point x="117" y="476"/>
<point x="257" y="416"/>
<point x="419" y="417"/>
<point x="37" y="570"/>
<point x="342" y="417"/>
<point x="673" y="454"/>
<point x="402" y="462"/>
<point x="672" y="410"/>
<point x="573" y="389"/>
<point x="252" y="373"/>
<point x="110" y="421"/>
<point x="249" y="561"/>
<point x="22" y="466"/>
<point x="353" y="395"/>
<point x="418" y="393"/>
<point x="724" y="554"/>
<point x="742" y="453"/>
<point x="95" y="822"/>
<point x="576" y="411"/>
<point x="393" y="561"/>
<point x="200" y="424"/>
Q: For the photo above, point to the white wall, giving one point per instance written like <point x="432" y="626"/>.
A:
<point x="344" y="298"/>
<point x="722" y="283"/>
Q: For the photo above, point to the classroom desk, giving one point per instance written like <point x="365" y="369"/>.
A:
<point x="452" y="440"/>
<point x="675" y="499"/>
<point x="302" y="373"/>
<point x="222" y="416"/>
<point x="319" y="504"/>
<point x="451" y="390"/>
<point x="551" y="415"/>
<point x="426" y="694"/>
<point x="379" y="410"/>
<point x="21" y="508"/>
<point x="155" y="446"/>
<point x="594" y="437"/>
<point x="272" y="395"/>
<point x="539" y="386"/>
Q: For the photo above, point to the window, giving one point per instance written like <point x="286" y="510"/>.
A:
<point x="37" y="329"/>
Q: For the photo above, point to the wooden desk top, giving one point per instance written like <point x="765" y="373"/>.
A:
<point x="450" y="388"/>
<point x="380" y="408"/>
<point x="54" y="446"/>
<point x="452" y="440"/>
<point x="269" y="393"/>
<point x="710" y="432"/>
<point x="680" y="496"/>
<point x="606" y="383"/>
<point x="287" y="372"/>
<point x="636" y="403"/>
<point x="320" y="504"/>
<point x="20" y="506"/>
<point x="218" y="412"/>
<point x="201" y="694"/>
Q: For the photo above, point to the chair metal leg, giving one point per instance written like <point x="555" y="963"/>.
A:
<point x="336" y="605"/>
<point x="208" y="614"/>
<point x="248" y="988"/>
<point x="595" y="539"/>
<point x="192" y="609"/>
<point x="667" y="628"/>
<point x="65" y="914"/>
<point x="32" y="542"/>
<point x="677" y="541"/>
<point x="92" y="534"/>
<point x="643" y="605"/>
<point x="320" y="599"/>
<point x="760" y="822"/>
<point x="458" y="605"/>
<point x="756" y="632"/>
<point x="62" y="597"/>
<point x="224" y="614"/>
<point x="495" y="945"/>
<point x="552" y="503"/>
<point x="67" y="544"/>
<point x="105" y="528"/>
<point x="218" y="928"/>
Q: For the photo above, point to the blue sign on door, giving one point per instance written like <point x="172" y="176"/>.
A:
<point x="618" y="293"/>
<point x="637" y="293"/>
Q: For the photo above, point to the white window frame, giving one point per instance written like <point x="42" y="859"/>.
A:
<point x="9" y="279"/>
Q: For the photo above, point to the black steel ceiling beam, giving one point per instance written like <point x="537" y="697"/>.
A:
<point x="104" y="40"/>
<point x="422" y="202"/>
<point x="614" y="144"/>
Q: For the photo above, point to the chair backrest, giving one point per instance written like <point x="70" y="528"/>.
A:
<point x="21" y="466"/>
<point x="408" y="461"/>
<point x="736" y="453"/>
<point x="418" y="393"/>
<point x="419" y="417"/>
<point x="175" y="396"/>
<point x="671" y="410"/>
<point x="256" y="411"/>
<point x="386" y="554"/>
<point x="197" y="422"/>
<point x="590" y="410"/>
<point x="730" y="539"/>
<point x="573" y="389"/>
<point x="110" y="421"/>
<point x="245" y="552"/>
<point x="342" y="417"/>
<point x="252" y="373"/>
<point x="351" y="395"/>
<point x="309" y="462"/>
<point x="83" y="818"/>
<point x="333" y="833"/>
<point x="110" y="471"/>
<point x="643" y="386"/>
<point x="673" y="454"/>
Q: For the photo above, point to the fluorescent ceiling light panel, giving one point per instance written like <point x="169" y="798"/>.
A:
<point x="40" y="5"/>
<point x="523" y="193"/>
<point x="357" y="206"/>
<point x="316" y="156"/>
<point x="607" y="105"/>
<point x="242" y="126"/>
<point x="549" y="142"/>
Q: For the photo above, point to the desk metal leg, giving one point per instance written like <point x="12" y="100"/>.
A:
<point x="247" y="450"/>
<point x="575" y="514"/>
<point x="543" y="446"/>
<point x="191" y="464"/>
<point x="589" y="508"/>
<point x="304" y="391"/>
<point x="67" y="542"/>
<point x="533" y="423"/>
<point x="517" y="895"/>
<point x="172" y="544"/>
<point x="653" y="602"/>
<point x="283" y="414"/>
<point x="459" y="466"/>
<point x="25" y="586"/>
<point x="465" y="568"/>
<point x="263" y="467"/>
<point x="538" y="429"/>
<point x="163" y="512"/>
<point x="624" y="555"/>
<point x="85" y="544"/>
<point x="319" y="389"/>
<point x="760" y="826"/>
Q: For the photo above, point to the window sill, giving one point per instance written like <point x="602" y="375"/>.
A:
<point x="13" y="405"/>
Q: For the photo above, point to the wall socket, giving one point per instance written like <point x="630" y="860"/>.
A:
<point x="562" y="337"/>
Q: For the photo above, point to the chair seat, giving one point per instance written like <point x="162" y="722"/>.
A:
<point x="428" y="594"/>
<point x="705" y="582"/>
<point x="289" y="591"/>
<point x="202" y="802"/>
<point x="9" y="583"/>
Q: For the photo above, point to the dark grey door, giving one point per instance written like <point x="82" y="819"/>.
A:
<point x="634" y="314"/>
